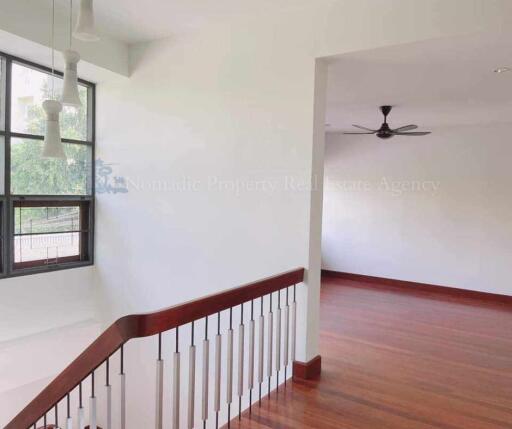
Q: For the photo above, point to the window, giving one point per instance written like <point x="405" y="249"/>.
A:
<point x="46" y="205"/>
<point x="50" y="232"/>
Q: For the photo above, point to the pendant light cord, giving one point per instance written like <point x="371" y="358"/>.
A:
<point x="53" y="49"/>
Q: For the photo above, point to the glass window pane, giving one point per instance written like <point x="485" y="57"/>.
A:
<point x="37" y="220"/>
<point x="46" y="247"/>
<point x="2" y="238"/>
<point x="33" y="175"/>
<point x="47" y="234"/>
<point x="2" y="165"/>
<point x="2" y="94"/>
<point x="50" y="232"/>
<point x="30" y="88"/>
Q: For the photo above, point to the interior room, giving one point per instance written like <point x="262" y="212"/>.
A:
<point x="191" y="235"/>
<point x="430" y="208"/>
<point x="416" y="232"/>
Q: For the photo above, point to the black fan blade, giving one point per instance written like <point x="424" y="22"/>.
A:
<point x="360" y="134"/>
<point x="406" y="128"/>
<point x="416" y="133"/>
<point x="363" y="128"/>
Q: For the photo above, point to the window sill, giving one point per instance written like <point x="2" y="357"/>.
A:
<point x="46" y="269"/>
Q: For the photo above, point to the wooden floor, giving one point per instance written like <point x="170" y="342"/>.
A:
<point x="395" y="359"/>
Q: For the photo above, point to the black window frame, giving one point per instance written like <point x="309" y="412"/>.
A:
<point x="8" y="201"/>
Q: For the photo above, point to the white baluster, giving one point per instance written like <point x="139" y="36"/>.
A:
<point x="270" y="344"/>
<point x="206" y="370"/>
<point x="250" y="376"/>
<point x="191" y="386"/>
<point x="159" y="393"/>
<point x="92" y="405"/>
<point x="294" y="330"/>
<point x="286" y="335"/>
<point x="92" y="413"/>
<point x="109" y="407"/>
<point x="123" y="400"/>
<point x="278" y="341"/>
<point x="81" y="418"/>
<point x="229" y="387"/>
<point x="69" y="419"/>
<point x="261" y="350"/>
<point x="241" y="338"/>
<point x="122" y="376"/>
<point x="108" y="396"/>
<point x="218" y="369"/>
<point x="176" y="392"/>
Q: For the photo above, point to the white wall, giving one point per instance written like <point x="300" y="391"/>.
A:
<point x="434" y="209"/>
<point x="233" y="102"/>
<point x="28" y="364"/>
<point x="41" y="302"/>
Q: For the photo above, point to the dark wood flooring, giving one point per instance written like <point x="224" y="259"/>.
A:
<point x="399" y="359"/>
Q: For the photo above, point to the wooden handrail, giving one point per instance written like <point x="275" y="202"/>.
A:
<point x="144" y="325"/>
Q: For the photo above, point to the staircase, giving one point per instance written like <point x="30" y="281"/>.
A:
<point x="225" y="350"/>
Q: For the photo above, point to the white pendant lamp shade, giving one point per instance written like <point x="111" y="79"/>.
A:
<point x="53" y="147"/>
<point x="85" y="29"/>
<point x="70" y="96"/>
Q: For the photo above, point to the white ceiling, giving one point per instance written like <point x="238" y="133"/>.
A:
<point x="435" y="83"/>
<point x="134" y="21"/>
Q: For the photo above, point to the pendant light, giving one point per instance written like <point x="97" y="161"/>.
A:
<point x="84" y="29"/>
<point x="70" y="96"/>
<point x="52" y="142"/>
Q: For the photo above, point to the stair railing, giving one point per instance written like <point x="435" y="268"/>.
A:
<point x="273" y="331"/>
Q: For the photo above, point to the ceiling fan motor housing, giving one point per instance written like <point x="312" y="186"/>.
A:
<point x="385" y="110"/>
<point x="384" y="131"/>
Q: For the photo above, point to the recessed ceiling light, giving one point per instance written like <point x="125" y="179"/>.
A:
<point x="502" y="69"/>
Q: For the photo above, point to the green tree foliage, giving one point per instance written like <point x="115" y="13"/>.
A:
<point x="33" y="175"/>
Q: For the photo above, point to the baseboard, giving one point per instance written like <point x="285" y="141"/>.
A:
<point x="425" y="287"/>
<point x="307" y="370"/>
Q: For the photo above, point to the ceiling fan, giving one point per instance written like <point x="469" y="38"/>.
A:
<point x="384" y="132"/>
